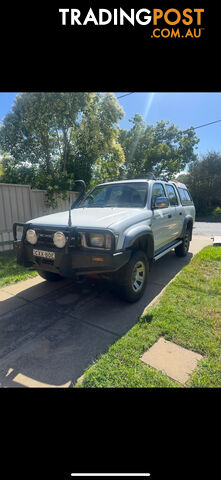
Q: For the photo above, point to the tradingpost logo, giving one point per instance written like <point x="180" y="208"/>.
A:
<point x="160" y="23"/>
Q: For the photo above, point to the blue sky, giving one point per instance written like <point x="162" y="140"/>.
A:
<point x="182" y="109"/>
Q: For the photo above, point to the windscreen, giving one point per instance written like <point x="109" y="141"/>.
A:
<point x="126" y="195"/>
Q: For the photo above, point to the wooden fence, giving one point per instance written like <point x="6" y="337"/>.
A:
<point x="19" y="203"/>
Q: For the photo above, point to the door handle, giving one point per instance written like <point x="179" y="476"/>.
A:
<point x="169" y="216"/>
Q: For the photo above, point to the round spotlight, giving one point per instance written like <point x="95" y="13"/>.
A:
<point x="31" y="236"/>
<point x="59" y="239"/>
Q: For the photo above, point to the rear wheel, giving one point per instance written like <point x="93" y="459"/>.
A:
<point x="132" y="278"/>
<point x="182" y="249"/>
<point x="50" y="276"/>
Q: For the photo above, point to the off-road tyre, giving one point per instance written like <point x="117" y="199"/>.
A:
<point x="182" y="249"/>
<point x="130" y="280"/>
<point x="50" y="276"/>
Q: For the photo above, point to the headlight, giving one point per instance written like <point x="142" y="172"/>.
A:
<point x="31" y="236"/>
<point x="97" y="240"/>
<point x="59" y="239"/>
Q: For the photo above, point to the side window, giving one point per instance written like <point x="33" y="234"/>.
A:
<point x="185" y="197"/>
<point x="188" y="197"/>
<point x="171" y="195"/>
<point x="182" y="195"/>
<point x="157" y="191"/>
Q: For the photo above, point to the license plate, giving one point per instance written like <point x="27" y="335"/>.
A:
<point x="44" y="254"/>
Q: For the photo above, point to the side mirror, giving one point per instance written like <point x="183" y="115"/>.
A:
<point x="161" y="202"/>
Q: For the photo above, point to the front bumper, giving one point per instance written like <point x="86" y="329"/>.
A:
<point x="72" y="262"/>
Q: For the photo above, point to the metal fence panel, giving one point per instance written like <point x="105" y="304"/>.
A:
<point x="19" y="203"/>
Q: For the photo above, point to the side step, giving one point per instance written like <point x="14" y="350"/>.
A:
<point x="166" y="251"/>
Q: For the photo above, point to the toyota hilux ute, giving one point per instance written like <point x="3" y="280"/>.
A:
<point x="117" y="231"/>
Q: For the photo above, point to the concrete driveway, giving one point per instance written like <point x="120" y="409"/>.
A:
<point x="50" y="333"/>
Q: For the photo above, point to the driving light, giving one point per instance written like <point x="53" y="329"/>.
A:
<point x="31" y="236"/>
<point x="59" y="239"/>
<point x="97" y="240"/>
<point x="19" y="232"/>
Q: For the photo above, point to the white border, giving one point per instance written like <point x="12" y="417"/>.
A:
<point x="110" y="474"/>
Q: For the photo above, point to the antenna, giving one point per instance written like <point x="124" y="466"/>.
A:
<point x="69" y="215"/>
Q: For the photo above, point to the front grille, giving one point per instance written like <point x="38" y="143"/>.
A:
<point x="45" y="239"/>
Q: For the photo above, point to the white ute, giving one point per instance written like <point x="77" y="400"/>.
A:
<point x="117" y="230"/>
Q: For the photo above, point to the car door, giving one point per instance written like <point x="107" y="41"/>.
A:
<point x="175" y="226"/>
<point x="160" y="218"/>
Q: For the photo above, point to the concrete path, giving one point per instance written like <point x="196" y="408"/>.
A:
<point x="50" y="333"/>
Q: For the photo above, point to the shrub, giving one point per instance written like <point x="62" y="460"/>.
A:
<point x="217" y="212"/>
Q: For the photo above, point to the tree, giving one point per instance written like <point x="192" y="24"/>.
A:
<point x="1" y="170"/>
<point x="109" y="166"/>
<point x="161" y="149"/>
<point x="204" y="182"/>
<point x="30" y="132"/>
<point x="50" y="139"/>
<point x="96" y="152"/>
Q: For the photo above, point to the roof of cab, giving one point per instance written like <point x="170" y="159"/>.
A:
<point x="147" y="180"/>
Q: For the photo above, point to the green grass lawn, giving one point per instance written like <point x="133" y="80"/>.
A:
<point x="10" y="272"/>
<point x="189" y="314"/>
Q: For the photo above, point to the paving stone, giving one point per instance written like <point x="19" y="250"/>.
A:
<point x="34" y="288"/>
<point x="199" y="242"/>
<point x="112" y="313"/>
<point x="68" y="299"/>
<point x="8" y="302"/>
<point x="4" y="295"/>
<point x="57" y="356"/>
<point x="20" y="326"/>
<point x="31" y="383"/>
<point x="177" y="362"/>
<point x="18" y="287"/>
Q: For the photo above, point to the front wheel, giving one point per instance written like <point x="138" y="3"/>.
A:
<point x="182" y="249"/>
<point x="50" y="276"/>
<point x="132" y="278"/>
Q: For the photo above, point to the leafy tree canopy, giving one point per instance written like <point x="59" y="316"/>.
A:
<point x="161" y="149"/>
<point x="50" y="139"/>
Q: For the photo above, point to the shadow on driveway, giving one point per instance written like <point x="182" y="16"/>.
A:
<point x="50" y="333"/>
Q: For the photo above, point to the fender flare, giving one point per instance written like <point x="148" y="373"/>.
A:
<point x="187" y="219"/>
<point x="137" y="232"/>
